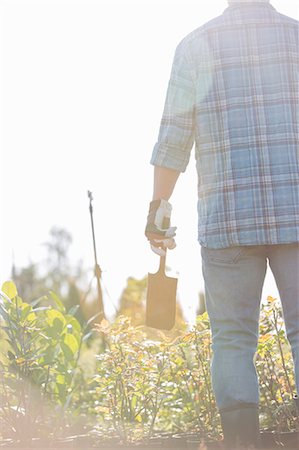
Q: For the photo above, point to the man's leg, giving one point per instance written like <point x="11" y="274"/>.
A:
<point x="234" y="279"/>
<point x="284" y="263"/>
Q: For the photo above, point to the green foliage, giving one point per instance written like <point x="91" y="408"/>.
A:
<point x="39" y="363"/>
<point x="54" y="377"/>
<point x="145" y="385"/>
<point x="275" y="369"/>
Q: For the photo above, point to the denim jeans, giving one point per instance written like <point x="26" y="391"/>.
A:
<point x="234" y="279"/>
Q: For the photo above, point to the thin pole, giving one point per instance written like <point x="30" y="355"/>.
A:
<point x="97" y="270"/>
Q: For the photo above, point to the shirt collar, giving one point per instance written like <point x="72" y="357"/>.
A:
<point x="252" y="4"/>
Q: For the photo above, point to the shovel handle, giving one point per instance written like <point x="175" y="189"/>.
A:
<point x="162" y="264"/>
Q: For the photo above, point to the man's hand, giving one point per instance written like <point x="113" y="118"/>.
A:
<point x="158" y="229"/>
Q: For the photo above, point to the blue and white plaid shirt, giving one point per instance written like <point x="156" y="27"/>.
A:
<point x="233" y="91"/>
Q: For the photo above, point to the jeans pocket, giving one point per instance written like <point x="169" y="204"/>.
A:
<point x="230" y="255"/>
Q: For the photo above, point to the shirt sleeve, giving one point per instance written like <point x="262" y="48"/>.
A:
<point x="176" y="135"/>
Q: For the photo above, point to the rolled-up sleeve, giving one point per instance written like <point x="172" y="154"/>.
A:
<point x="176" y="135"/>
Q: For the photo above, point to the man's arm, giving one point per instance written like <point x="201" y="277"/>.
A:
<point x="164" y="182"/>
<point x="172" y="152"/>
<point x="158" y="229"/>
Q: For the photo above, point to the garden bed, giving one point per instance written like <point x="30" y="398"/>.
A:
<point x="66" y="385"/>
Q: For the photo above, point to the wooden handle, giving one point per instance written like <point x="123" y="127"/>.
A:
<point x="162" y="264"/>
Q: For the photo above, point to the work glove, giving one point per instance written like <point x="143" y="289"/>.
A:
<point x="158" y="230"/>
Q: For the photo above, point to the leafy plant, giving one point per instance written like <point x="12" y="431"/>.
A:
<point x="143" y="385"/>
<point x="276" y="370"/>
<point x="55" y="380"/>
<point x="39" y="364"/>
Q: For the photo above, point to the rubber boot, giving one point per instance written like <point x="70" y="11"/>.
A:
<point x="241" y="428"/>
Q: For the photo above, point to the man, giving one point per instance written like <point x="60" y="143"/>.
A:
<point x="233" y="91"/>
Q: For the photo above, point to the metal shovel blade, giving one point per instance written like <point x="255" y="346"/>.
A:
<point x="161" y="299"/>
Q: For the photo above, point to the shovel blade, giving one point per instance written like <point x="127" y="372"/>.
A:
<point x="161" y="301"/>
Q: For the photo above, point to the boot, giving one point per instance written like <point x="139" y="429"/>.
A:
<point x="240" y="427"/>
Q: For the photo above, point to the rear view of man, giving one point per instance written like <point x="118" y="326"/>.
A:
<point x="233" y="91"/>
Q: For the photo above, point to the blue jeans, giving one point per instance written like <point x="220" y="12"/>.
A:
<point x="234" y="279"/>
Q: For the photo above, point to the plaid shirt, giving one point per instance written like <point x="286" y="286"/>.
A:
<point x="233" y="91"/>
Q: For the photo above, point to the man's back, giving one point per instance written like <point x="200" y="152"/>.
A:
<point x="242" y="98"/>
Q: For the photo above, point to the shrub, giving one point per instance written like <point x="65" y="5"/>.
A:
<point x="40" y="375"/>
<point x="55" y="380"/>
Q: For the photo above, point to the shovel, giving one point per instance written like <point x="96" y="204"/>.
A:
<point x="161" y="299"/>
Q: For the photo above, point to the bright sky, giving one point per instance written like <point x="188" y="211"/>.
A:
<point x="84" y="85"/>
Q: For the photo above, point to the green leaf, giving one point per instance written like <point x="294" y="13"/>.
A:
<point x="39" y="300"/>
<point x="69" y="346"/>
<point x="55" y="316"/>
<point x="61" y="388"/>
<point x="26" y="310"/>
<point x="9" y="288"/>
<point x="49" y="356"/>
<point x="73" y="310"/>
<point x="55" y="323"/>
<point x="134" y="402"/>
<point x="4" y="312"/>
<point x="69" y="355"/>
<point x="60" y="379"/>
<point x="18" y="302"/>
<point x="71" y="342"/>
<point x="58" y="302"/>
<point x="42" y="308"/>
<point x="75" y="324"/>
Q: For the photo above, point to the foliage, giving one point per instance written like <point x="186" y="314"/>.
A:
<point x="55" y="379"/>
<point x="39" y="364"/>
<point x="275" y="369"/>
<point x="142" y="384"/>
